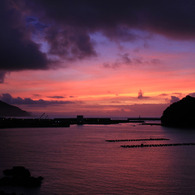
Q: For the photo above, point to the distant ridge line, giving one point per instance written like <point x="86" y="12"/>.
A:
<point x="130" y="140"/>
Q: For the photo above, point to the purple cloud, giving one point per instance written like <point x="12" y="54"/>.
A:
<point x="192" y="94"/>
<point x="174" y="99"/>
<point x="140" y="94"/>
<point x="28" y="101"/>
<point x="2" y="76"/>
<point x="125" y="59"/>
<point x="56" y="97"/>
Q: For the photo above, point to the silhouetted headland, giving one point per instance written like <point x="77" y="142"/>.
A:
<point x="20" y="176"/>
<point x="180" y="114"/>
<point x="7" y="110"/>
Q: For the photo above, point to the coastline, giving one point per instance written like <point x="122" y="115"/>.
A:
<point x="66" y="122"/>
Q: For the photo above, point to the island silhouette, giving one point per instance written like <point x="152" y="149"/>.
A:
<point x="20" y="176"/>
<point x="180" y="114"/>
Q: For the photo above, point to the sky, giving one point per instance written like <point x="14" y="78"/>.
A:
<point x="96" y="58"/>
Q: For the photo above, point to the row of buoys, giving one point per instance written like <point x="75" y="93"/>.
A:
<point x="156" y="145"/>
<point x="130" y="140"/>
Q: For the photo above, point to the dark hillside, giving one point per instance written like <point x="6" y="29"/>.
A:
<point x="7" y="110"/>
<point x="180" y="114"/>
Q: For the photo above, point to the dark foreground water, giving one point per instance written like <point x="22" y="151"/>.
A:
<point x="78" y="160"/>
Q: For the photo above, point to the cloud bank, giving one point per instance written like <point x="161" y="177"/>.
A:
<point x="28" y="101"/>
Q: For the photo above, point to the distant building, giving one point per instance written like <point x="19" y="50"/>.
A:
<point x="79" y="119"/>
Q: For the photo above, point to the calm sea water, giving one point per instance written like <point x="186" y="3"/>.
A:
<point x="78" y="160"/>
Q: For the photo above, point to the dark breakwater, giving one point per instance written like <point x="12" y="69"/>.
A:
<point x="157" y="145"/>
<point x="129" y="140"/>
<point x="35" y="123"/>
<point x="65" y="122"/>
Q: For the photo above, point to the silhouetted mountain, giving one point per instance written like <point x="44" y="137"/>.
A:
<point x="180" y="114"/>
<point x="9" y="110"/>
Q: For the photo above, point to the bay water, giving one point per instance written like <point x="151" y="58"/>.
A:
<point x="78" y="160"/>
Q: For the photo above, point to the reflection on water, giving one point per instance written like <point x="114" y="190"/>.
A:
<point x="78" y="160"/>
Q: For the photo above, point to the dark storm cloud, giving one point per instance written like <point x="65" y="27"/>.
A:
<point x="67" y="25"/>
<point x="17" y="51"/>
<point x="69" y="43"/>
<point x="70" y="22"/>
<point x="28" y="101"/>
<point x="172" y="18"/>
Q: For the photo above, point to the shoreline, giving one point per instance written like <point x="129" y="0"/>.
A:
<point x="66" y="122"/>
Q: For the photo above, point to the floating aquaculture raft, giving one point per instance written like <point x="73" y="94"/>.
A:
<point x="157" y="145"/>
